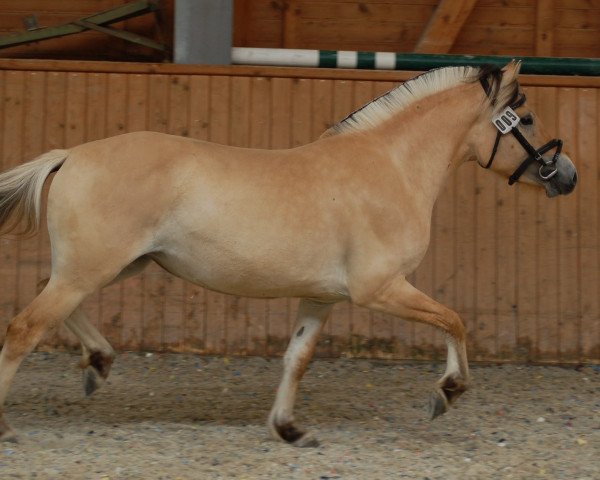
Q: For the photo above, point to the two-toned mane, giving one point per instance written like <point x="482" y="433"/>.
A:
<point x="346" y="217"/>
<point x="417" y="88"/>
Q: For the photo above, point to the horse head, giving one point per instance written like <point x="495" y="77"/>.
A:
<point x="511" y="140"/>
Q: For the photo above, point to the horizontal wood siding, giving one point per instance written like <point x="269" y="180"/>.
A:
<point x="522" y="270"/>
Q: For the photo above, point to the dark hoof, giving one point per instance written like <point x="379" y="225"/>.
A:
<point x="448" y="391"/>
<point x="92" y="380"/>
<point x="438" y="404"/>
<point x="294" y="436"/>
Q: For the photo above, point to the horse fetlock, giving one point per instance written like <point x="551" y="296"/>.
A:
<point x="96" y="367"/>
<point x="453" y="387"/>
<point x="99" y="361"/>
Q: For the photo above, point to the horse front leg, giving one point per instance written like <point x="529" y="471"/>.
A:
<point x="309" y="324"/>
<point x="401" y="299"/>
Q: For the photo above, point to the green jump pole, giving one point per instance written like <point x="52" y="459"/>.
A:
<point x="408" y="61"/>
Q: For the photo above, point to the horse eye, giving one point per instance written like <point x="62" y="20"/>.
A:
<point x="527" y="120"/>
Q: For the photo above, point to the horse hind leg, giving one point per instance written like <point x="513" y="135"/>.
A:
<point x="311" y="318"/>
<point x="55" y="303"/>
<point x="97" y="355"/>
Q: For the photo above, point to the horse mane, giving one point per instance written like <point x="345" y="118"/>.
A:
<point x="419" y="87"/>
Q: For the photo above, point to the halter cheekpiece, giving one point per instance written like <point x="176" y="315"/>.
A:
<point x="507" y="121"/>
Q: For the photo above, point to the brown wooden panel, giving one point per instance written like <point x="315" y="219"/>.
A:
<point x="588" y="149"/>
<point x="529" y="236"/>
<point x="547" y="248"/>
<point x="485" y="265"/>
<point x="506" y="234"/>
<point x="568" y="237"/>
<point x="13" y="96"/>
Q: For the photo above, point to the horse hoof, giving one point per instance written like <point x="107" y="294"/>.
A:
<point x="294" y="436"/>
<point x="92" y="380"/>
<point x="438" y="404"/>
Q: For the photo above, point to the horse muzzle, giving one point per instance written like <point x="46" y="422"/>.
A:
<point x="565" y="179"/>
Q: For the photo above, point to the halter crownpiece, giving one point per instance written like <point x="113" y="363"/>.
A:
<point x="507" y="121"/>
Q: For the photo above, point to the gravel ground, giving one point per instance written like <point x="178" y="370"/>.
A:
<point x="181" y="416"/>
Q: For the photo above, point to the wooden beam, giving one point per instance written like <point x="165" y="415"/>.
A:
<point x="544" y="28"/>
<point x="444" y="26"/>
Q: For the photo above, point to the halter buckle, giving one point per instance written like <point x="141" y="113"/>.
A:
<point x="553" y="170"/>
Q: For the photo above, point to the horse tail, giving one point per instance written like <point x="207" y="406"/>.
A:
<point x="21" y="192"/>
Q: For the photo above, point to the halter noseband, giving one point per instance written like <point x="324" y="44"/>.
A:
<point x="507" y="121"/>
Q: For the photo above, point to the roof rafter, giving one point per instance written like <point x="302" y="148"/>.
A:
<point x="444" y="26"/>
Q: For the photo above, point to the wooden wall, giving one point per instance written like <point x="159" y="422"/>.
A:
<point x="87" y="45"/>
<point x="521" y="269"/>
<point x="564" y="28"/>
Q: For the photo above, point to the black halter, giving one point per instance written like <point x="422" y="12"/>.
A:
<point x="547" y="167"/>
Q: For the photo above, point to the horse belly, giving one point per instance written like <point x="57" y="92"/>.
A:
<point x="256" y="274"/>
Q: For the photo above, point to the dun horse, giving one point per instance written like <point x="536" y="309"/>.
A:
<point x="346" y="217"/>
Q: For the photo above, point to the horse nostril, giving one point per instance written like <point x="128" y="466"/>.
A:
<point x="574" y="178"/>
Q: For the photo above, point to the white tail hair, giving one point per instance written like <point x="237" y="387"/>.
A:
<point x="21" y="192"/>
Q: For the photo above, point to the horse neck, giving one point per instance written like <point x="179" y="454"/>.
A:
<point x="427" y="141"/>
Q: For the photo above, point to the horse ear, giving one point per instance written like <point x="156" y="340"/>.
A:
<point x="510" y="72"/>
<point x="508" y="85"/>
